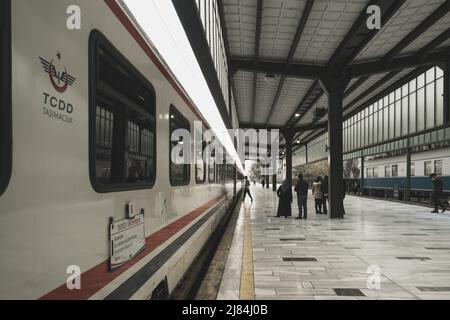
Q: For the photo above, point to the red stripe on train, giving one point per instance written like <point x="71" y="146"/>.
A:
<point x="98" y="277"/>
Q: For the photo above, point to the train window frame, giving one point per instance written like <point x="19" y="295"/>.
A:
<point x="427" y="165"/>
<point x="413" y="169"/>
<point x="375" y="172"/>
<point x="97" y="42"/>
<point x="387" y="171"/>
<point x="5" y="96"/>
<point x="205" y="168"/>
<point x="438" y="167"/>
<point x="212" y="178"/>
<point x="394" y="169"/>
<point x="173" y="112"/>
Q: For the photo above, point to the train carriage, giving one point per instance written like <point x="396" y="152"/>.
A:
<point x="87" y="117"/>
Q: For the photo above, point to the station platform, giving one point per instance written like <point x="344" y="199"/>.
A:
<point x="403" y="248"/>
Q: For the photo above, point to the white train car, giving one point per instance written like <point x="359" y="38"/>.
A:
<point x="384" y="175"/>
<point x="86" y="117"/>
<point x="422" y="165"/>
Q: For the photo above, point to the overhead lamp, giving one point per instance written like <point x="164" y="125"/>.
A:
<point x="297" y="115"/>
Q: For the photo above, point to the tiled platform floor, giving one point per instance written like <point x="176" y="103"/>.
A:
<point x="409" y="246"/>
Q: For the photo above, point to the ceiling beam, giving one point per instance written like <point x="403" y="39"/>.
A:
<point x="296" y="70"/>
<point x="312" y="96"/>
<point x="358" y="38"/>
<point x="259" y="11"/>
<point x="413" y="74"/>
<point x="298" y="34"/>
<point x="193" y="26"/>
<point x="389" y="63"/>
<point x="359" y="35"/>
<point x="356" y="70"/>
<point x="375" y="98"/>
<point x="313" y="135"/>
<point x="354" y="42"/>
<point x="379" y="66"/>
<point x="355" y="86"/>
<point x="425" y="51"/>
<point x="416" y="32"/>
<point x="372" y="88"/>
<point x="258" y="126"/>
<point x="312" y="126"/>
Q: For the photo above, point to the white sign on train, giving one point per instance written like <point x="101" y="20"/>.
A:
<point x="127" y="240"/>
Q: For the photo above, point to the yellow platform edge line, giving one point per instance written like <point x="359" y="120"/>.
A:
<point x="247" y="291"/>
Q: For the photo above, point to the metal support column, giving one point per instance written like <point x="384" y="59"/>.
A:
<point x="306" y="153"/>
<point x="335" y="88"/>
<point x="447" y="93"/>
<point x="361" y="183"/>
<point x="288" y="136"/>
<point x="408" y="174"/>
<point x="274" y="182"/>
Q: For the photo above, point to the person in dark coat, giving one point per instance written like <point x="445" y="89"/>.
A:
<point x="324" y="187"/>
<point x="438" y="189"/>
<point x="284" y="192"/>
<point x="302" y="188"/>
<point x="263" y="182"/>
<point x="247" y="189"/>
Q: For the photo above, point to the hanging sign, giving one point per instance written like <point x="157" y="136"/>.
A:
<point x="127" y="240"/>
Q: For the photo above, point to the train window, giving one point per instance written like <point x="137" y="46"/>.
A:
<point x="428" y="168"/>
<point x="369" y="173"/>
<point x="438" y="167"/>
<point x="218" y="173"/>
<point x="395" y="170"/>
<point x="5" y="94"/>
<point x="122" y="122"/>
<point x="413" y="169"/>
<point x="375" y="172"/>
<point x="387" y="171"/>
<point x="180" y="174"/>
<point x="200" y="165"/>
<point x="200" y="173"/>
<point x="211" y="172"/>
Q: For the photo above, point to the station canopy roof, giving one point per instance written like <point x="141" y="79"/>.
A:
<point x="279" y="49"/>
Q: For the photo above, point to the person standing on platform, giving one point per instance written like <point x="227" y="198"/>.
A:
<point x="438" y="189"/>
<point x="317" y="193"/>
<point x="247" y="189"/>
<point x="263" y="182"/>
<point x="284" y="193"/>
<point x="324" y="187"/>
<point x="301" y="188"/>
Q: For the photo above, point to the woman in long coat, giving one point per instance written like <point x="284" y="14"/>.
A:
<point x="284" y="192"/>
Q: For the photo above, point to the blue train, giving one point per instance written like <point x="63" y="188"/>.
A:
<point x="386" y="176"/>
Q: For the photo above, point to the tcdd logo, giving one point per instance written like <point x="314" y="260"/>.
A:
<point x="59" y="78"/>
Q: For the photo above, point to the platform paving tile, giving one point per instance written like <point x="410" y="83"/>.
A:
<point x="404" y="247"/>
